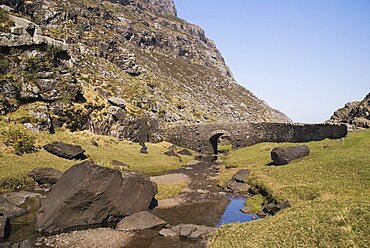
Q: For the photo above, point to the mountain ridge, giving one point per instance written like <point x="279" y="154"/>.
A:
<point x="355" y="114"/>
<point x="139" y="51"/>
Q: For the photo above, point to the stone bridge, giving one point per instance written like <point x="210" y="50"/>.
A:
<point x="204" y="137"/>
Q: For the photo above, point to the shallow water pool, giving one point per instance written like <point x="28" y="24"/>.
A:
<point x="232" y="213"/>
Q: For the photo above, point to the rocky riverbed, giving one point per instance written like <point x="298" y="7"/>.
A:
<point x="184" y="220"/>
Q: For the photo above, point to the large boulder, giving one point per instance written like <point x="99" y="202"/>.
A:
<point x="45" y="175"/>
<point x="64" y="150"/>
<point x="140" y="221"/>
<point x="5" y="227"/>
<point x="282" y="156"/>
<point x="89" y="194"/>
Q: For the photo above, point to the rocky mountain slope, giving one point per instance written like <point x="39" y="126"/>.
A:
<point x="88" y="64"/>
<point x="355" y="113"/>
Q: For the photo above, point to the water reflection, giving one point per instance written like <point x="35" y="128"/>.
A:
<point x="233" y="214"/>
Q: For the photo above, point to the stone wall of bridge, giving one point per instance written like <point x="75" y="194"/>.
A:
<point x="200" y="137"/>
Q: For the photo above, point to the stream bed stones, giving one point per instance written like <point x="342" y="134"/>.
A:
<point x="140" y="221"/>
<point x="97" y="238"/>
<point x="187" y="231"/>
<point x="87" y="188"/>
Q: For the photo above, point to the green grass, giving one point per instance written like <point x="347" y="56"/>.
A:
<point x="13" y="168"/>
<point x="254" y="204"/>
<point x="329" y="191"/>
<point x="169" y="190"/>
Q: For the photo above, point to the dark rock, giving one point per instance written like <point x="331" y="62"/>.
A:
<point x="283" y="205"/>
<point x="185" y="152"/>
<point x="272" y="208"/>
<point x="172" y="148"/>
<point x="116" y="101"/>
<point x="241" y="175"/>
<point x="64" y="150"/>
<point x="45" y="175"/>
<point x="282" y="156"/>
<point x="94" y="143"/>
<point x="140" y="221"/>
<point x="171" y="153"/>
<point x="237" y="187"/>
<point x="5" y="227"/>
<point x="10" y="210"/>
<point x="89" y="194"/>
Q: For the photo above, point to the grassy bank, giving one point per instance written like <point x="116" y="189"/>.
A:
<point x="329" y="192"/>
<point x="13" y="168"/>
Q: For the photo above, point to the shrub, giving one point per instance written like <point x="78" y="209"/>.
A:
<point x="20" y="141"/>
<point x="4" y="64"/>
<point x="5" y="23"/>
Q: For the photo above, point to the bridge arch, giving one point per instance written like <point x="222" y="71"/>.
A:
<point x="215" y="135"/>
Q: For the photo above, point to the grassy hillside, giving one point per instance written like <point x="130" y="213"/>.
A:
<point x="329" y="191"/>
<point x="13" y="168"/>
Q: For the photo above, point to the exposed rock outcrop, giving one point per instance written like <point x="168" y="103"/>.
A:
<point x="27" y="33"/>
<point x="355" y="114"/>
<point x="88" y="194"/>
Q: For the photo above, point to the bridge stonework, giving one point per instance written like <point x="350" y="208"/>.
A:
<point x="199" y="136"/>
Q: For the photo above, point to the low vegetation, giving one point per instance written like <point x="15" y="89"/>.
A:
<point x="5" y="23"/>
<point x="254" y="204"/>
<point x="19" y="141"/>
<point x="170" y="190"/>
<point x="14" y="168"/>
<point x="329" y="192"/>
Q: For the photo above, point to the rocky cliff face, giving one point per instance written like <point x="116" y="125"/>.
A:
<point x="355" y="113"/>
<point x="65" y="60"/>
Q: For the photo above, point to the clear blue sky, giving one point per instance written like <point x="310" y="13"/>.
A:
<point x="304" y="57"/>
